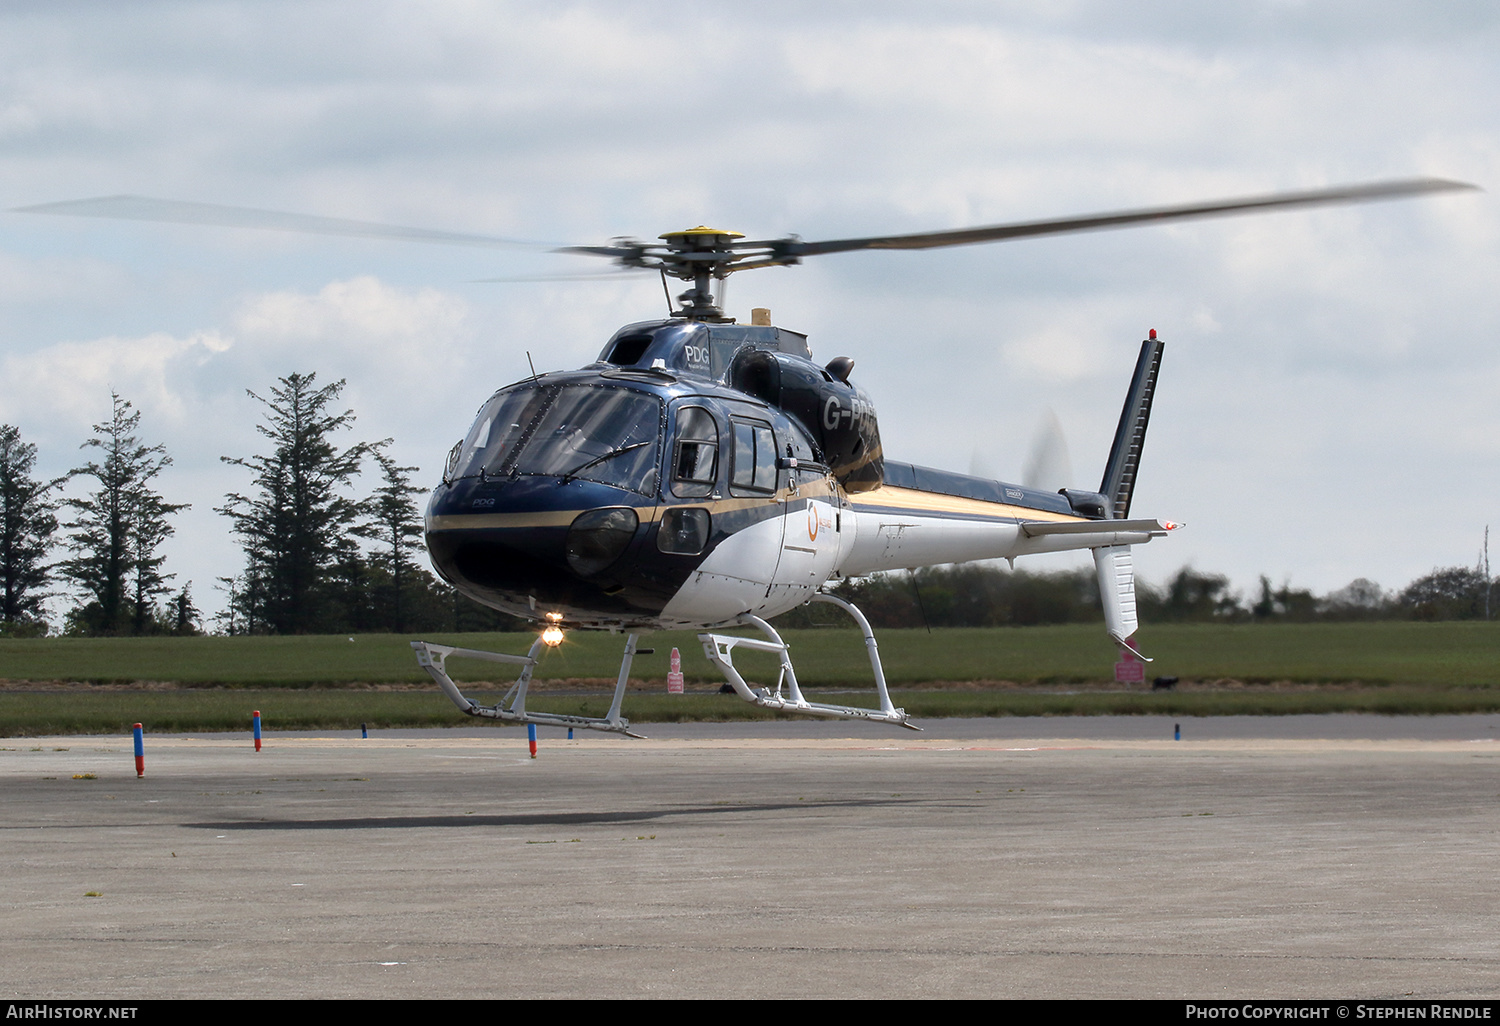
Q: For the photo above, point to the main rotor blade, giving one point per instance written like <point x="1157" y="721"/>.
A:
<point x="1119" y="219"/>
<point x="613" y="252"/>
<point x="143" y="208"/>
<point x="616" y="275"/>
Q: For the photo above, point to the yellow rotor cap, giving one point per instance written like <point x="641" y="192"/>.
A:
<point x="701" y="230"/>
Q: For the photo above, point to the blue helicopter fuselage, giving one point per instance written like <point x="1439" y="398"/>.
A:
<point x="696" y="474"/>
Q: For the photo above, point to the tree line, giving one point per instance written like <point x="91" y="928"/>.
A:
<point x="318" y="559"/>
<point x="981" y="595"/>
<point x="305" y="570"/>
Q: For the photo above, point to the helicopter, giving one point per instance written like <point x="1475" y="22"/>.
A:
<point x="705" y="474"/>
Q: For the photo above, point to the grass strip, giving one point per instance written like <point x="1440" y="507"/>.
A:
<point x="1455" y="653"/>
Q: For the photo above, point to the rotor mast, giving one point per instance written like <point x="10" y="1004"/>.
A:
<point x="699" y="255"/>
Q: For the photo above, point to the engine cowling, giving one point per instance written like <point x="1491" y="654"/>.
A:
<point x="837" y="414"/>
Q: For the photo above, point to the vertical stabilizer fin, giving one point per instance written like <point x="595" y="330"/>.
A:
<point x="1130" y="436"/>
<point x="1117" y="593"/>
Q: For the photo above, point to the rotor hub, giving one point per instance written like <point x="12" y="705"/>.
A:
<point x="699" y="255"/>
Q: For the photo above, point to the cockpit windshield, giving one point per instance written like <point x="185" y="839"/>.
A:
<point x="593" y="432"/>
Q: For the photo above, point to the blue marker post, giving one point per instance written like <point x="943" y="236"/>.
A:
<point x="256" y="717"/>
<point x="1176" y="732"/>
<point x="364" y="732"/>
<point x="531" y="737"/>
<point x="570" y="733"/>
<point x="140" y="753"/>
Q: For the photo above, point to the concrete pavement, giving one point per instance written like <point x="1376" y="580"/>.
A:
<point x="736" y="860"/>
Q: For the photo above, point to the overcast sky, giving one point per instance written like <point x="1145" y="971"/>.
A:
<point x="1327" y="407"/>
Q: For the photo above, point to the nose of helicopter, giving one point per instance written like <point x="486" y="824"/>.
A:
<point x="535" y="544"/>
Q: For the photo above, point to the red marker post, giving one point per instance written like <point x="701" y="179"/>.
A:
<point x="140" y="753"/>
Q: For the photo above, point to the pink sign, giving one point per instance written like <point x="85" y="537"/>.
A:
<point x="674" y="675"/>
<point x="1129" y="670"/>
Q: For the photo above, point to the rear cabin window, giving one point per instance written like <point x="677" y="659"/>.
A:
<point x="753" y="467"/>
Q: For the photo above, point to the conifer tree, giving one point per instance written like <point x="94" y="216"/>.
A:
<point x="118" y="529"/>
<point x="393" y="523"/>
<point x="183" y="614"/>
<point x="27" y="522"/>
<point x="295" y="524"/>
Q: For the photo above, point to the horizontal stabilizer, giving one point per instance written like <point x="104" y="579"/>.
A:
<point x="1104" y="528"/>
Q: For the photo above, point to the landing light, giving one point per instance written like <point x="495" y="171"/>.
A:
<point x="552" y="636"/>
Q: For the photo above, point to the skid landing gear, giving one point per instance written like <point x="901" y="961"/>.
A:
<point x="720" y="650"/>
<point x="433" y="657"/>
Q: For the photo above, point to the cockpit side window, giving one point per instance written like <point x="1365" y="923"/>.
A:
<point x="695" y="455"/>
<point x="753" y="467"/>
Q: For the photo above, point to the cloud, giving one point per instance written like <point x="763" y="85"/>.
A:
<point x="397" y="328"/>
<point x="69" y="383"/>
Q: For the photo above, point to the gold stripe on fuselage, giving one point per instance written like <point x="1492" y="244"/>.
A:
<point x="910" y="500"/>
<point x="541" y="518"/>
<point x="886" y="497"/>
<point x="648" y="514"/>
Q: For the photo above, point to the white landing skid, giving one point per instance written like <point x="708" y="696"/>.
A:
<point x="720" y="650"/>
<point x="432" y="658"/>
